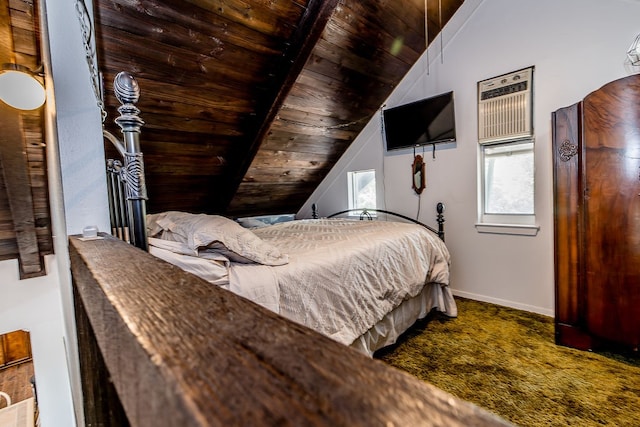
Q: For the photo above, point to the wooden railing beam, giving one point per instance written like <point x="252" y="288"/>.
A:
<point x="182" y="352"/>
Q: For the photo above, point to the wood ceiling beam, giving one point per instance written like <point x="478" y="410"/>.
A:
<point x="300" y="47"/>
<point x="17" y="183"/>
<point x="14" y="165"/>
<point x="7" y="54"/>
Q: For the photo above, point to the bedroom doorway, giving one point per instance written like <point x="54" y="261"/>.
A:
<point x="17" y="380"/>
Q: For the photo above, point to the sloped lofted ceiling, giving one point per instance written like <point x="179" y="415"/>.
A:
<point x="249" y="103"/>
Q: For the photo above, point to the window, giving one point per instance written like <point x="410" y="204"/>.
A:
<point x="362" y="189"/>
<point x="507" y="191"/>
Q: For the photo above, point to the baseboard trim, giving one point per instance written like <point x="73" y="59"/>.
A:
<point x="505" y="303"/>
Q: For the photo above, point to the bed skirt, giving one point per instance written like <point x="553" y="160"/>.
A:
<point x="386" y="331"/>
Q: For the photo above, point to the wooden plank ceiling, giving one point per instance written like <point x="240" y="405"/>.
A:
<point x="25" y="231"/>
<point x="249" y="103"/>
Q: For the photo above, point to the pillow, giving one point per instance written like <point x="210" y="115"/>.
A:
<point x="213" y="269"/>
<point x="251" y="223"/>
<point x="213" y="233"/>
<point x="153" y="229"/>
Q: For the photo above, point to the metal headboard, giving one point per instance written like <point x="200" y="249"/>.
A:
<point x="125" y="179"/>
<point x="366" y="214"/>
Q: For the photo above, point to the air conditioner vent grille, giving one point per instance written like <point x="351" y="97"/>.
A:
<point x="505" y="107"/>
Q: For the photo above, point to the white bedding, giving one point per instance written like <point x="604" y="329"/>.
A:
<point x="342" y="277"/>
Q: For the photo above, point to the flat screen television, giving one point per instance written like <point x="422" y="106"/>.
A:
<point x="428" y="121"/>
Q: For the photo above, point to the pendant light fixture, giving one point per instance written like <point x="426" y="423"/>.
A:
<point x="20" y="88"/>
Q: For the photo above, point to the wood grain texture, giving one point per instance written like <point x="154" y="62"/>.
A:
<point x="15" y="380"/>
<point x="294" y="57"/>
<point x="180" y="351"/>
<point x="101" y="404"/>
<point x="25" y="231"/>
<point x="611" y="224"/>
<point x="15" y="347"/>
<point x="567" y="126"/>
<point x="350" y="71"/>
<point x="597" y="219"/>
<point x="234" y="81"/>
<point x="18" y="188"/>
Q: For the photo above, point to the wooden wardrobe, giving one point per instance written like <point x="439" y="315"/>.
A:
<point x="596" y="155"/>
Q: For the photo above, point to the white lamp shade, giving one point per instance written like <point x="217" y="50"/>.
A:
<point x="21" y="90"/>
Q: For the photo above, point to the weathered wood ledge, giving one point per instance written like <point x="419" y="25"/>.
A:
<point x="174" y="350"/>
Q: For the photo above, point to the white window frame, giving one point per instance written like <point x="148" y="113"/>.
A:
<point x="518" y="224"/>
<point x="352" y="191"/>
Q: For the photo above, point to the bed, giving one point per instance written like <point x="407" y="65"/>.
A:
<point x="359" y="282"/>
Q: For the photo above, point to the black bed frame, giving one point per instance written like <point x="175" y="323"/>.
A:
<point x="366" y="214"/>
<point x="126" y="183"/>
<point x="125" y="179"/>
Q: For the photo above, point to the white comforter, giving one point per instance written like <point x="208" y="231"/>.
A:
<point x="343" y="276"/>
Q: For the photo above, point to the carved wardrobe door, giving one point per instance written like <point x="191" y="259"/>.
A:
<point x="597" y="218"/>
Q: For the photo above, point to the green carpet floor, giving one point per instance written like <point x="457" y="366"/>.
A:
<point x="506" y="361"/>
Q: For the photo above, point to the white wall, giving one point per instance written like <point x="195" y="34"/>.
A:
<point x="78" y="120"/>
<point x="76" y="166"/>
<point x="576" y="46"/>
<point x="77" y="186"/>
<point x="34" y="305"/>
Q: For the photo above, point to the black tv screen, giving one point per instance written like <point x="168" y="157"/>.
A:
<point x="428" y="121"/>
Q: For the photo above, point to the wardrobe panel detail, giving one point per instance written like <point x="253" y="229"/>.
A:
<point x="596" y="151"/>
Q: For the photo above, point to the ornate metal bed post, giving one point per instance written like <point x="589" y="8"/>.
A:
<point x="127" y="91"/>
<point x="440" y="219"/>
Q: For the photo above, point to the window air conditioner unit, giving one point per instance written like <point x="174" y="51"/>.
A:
<point x="505" y="107"/>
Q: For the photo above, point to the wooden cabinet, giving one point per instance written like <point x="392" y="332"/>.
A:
<point x="15" y="347"/>
<point x="596" y="155"/>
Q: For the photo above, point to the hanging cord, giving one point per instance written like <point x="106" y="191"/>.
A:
<point x="382" y="139"/>
<point x="441" y="33"/>
<point x="426" y="33"/>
